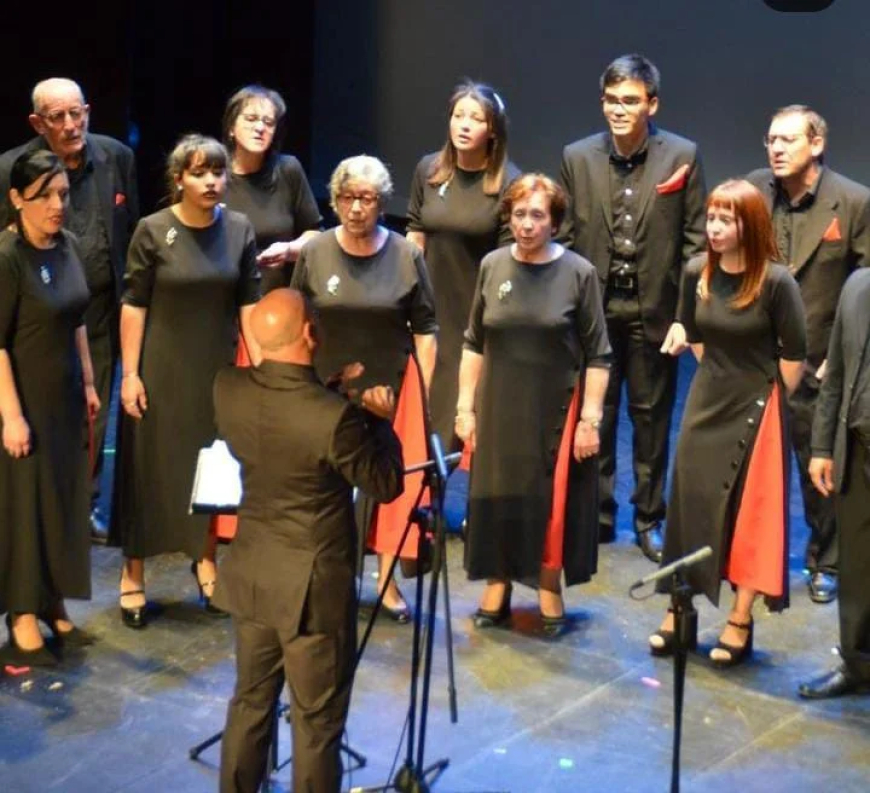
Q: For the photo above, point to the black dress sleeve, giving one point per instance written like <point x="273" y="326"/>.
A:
<point x="474" y="332"/>
<point x="248" y="285"/>
<point x="422" y="309"/>
<point x="10" y="285"/>
<point x="688" y="300"/>
<point x="589" y="319"/>
<point x="141" y="261"/>
<point x="415" y="202"/>
<point x="787" y="313"/>
<point x="306" y="214"/>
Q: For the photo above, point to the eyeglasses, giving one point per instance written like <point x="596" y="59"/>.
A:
<point x="630" y="104"/>
<point x="57" y="117"/>
<point x="366" y="200"/>
<point x="253" y="118"/>
<point x="786" y="140"/>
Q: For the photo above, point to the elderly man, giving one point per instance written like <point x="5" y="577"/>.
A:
<point x="289" y="576"/>
<point x="822" y="224"/>
<point x="103" y="210"/>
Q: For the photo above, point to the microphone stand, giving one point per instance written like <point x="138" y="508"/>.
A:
<point x="414" y="776"/>
<point x="681" y="603"/>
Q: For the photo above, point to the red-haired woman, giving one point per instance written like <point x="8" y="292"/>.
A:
<point x="531" y="386"/>
<point x="454" y="217"/>
<point x="745" y="322"/>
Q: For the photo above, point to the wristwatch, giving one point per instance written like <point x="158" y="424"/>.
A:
<point x="594" y="423"/>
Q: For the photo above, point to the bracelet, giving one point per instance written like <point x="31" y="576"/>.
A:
<point x="594" y="423"/>
<point x="129" y="374"/>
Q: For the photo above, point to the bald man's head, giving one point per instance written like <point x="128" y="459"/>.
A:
<point x="60" y="115"/>
<point x="282" y="325"/>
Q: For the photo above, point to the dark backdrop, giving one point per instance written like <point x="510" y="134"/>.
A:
<point x="373" y="75"/>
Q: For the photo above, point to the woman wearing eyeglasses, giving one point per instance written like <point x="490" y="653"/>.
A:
<point x="454" y="217"/>
<point x="191" y="281"/>
<point x="372" y="293"/>
<point x="269" y="187"/>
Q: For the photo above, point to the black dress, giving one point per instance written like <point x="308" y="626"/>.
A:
<point x="538" y="327"/>
<point x="728" y="398"/>
<point x="193" y="282"/>
<point x="462" y="224"/>
<point x="278" y="201"/>
<point x="44" y="497"/>
<point x="370" y="307"/>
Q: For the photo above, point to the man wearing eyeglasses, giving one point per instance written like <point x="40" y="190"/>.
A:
<point x="636" y="211"/>
<point x="103" y="210"/>
<point x="821" y="221"/>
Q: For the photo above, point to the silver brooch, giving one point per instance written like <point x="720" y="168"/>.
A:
<point x="171" y="235"/>
<point x="45" y="274"/>
<point x="332" y="284"/>
<point x="504" y="290"/>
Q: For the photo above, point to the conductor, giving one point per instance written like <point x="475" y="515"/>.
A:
<point x="288" y="579"/>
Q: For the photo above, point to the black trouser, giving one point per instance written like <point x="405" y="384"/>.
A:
<point x="853" y="518"/>
<point x="319" y="671"/>
<point x="101" y="320"/>
<point x="650" y="378"/>
<point x="821" y="552"/>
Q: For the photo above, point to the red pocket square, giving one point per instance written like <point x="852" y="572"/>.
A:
<point x="675" y="183"/>
<point x="832" y="232"/>
<point x="120" y="199"/>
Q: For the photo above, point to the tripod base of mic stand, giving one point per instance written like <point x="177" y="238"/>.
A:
<point x="409" y="780"/>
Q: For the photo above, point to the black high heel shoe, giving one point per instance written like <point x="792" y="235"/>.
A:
<point x="492" y="619"/>
<point x="663" y="643"/>
<point x="136" y="617"/>
<point x="74" y="639"/>
<point x="205" y="600"/>
<point x="730" y="654"/>
<point x="12" y="654"/>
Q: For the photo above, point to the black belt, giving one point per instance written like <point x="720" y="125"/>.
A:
<point x="624" y="283"/>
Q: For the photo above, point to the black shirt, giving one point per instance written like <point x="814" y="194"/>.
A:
<point x="626" y="174"/>
<point x="86" y="222"/>
<point x="790" y="219"/>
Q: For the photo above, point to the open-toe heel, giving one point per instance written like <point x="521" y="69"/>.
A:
<point x="492" y="619"/>
<point x="205" y="600"/>
<point x="727" y="655"/>
<point x="663" y="643"/>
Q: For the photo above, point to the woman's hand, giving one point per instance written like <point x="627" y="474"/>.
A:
<point x="16" y="437"/>
<point x="277" y="253"/>
<point x="92" y="400"/>
<point x="465" y="427"/>
<point x="133" y="397"/>
<point x="586" y="441"/>
<point x="380" y="400"/>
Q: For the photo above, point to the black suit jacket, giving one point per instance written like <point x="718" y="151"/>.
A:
<point x="849" y="341"/>
<point x="821" y="266"/>
<point x="115" y="174"/>
<point x="302" y="449"/>
<point x="670" y="222"/>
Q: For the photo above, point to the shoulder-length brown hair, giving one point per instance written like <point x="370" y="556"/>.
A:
<point x="754" y="234"/>
<point x="444" y="165"/>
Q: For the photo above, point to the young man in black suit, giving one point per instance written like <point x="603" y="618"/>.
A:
<point x="822" y="224"/>
<point x="288" y="579"/>
<point x="840" y="464"/>
<point x="636" y="212"/>
<point x="103" y="211"/>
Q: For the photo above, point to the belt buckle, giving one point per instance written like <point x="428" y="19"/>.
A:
<point x="626" y="282"/>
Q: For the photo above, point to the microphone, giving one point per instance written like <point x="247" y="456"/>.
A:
<point x="438" y="456"/>
<point x="687" y="561"/>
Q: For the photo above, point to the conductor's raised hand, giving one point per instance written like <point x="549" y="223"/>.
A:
<point x="134" y="400"/>
<point x="380" y="400"/>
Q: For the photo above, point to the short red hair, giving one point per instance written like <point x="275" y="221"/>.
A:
<point x="523" y="186"/>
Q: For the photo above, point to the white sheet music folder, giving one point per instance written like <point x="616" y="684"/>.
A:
<point x="217" y="484"/>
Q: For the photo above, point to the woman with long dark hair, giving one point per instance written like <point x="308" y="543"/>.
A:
<point x="46" y="385"/>
<point x="454" y="216"/>
<point x="266" y="185"/>
<point x="745" y="322"/>
<point x="191" y="282"/>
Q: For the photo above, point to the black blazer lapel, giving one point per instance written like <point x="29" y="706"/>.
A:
<point x="103" y="177"/>
<point x="599" y="168"/>
<point x="655" y="172"/>
<point x="815" y="228"/>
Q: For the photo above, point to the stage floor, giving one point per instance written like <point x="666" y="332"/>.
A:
<point x="589" y="712"/>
